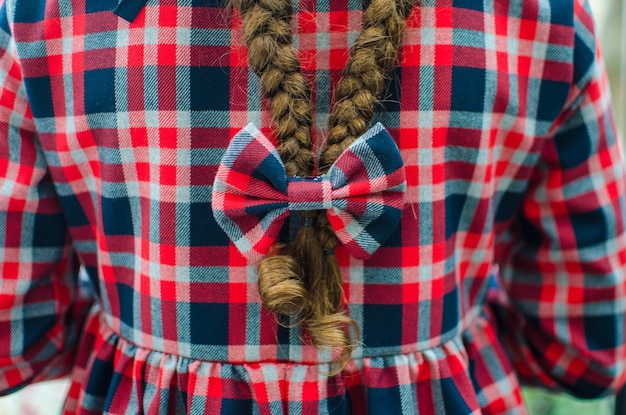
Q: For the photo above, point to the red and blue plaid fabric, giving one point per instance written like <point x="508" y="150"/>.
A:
<point x="507" y="266"/>
<point x="363" y="192"/>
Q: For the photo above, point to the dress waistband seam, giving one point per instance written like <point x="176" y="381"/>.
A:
<point x="109" y="333"/>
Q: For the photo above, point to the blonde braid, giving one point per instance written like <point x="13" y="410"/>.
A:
<point x="267" y="32"/>
<point x="303" y="279"/>
<point x="373" y="55"/>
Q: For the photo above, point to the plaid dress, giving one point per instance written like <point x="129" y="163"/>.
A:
<point x="508" y="265"/>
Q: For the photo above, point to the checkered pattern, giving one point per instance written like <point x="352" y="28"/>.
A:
<point x="363" y="193"/>
<point x="113" y="130"/>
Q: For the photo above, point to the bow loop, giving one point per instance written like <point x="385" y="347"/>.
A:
<point x="363" y="192"/>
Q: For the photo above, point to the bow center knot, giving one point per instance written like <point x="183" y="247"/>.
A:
<point x="309" y="193"/>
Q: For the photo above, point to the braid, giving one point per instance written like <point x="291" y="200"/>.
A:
<point x="373" y="55"/>
<point x="302" y="279"/>
<point x="267" y="32"/>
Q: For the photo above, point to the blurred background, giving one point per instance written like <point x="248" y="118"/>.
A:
<point x="47" y="398"/>
<point x="611" y="22"/>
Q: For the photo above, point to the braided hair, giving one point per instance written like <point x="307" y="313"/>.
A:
<point x="302" y="279"/>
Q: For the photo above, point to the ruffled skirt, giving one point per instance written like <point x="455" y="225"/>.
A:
<point x="113" y="376"/>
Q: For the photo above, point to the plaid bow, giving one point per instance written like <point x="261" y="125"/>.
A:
<point x="363" y="192"/>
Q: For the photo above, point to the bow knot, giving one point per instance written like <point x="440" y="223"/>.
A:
<point x="309" y="193"/>
<point x="363" y="192"/>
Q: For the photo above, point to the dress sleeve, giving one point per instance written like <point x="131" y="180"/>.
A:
<point x="562" y="314"/>
<point x="41" y="306"/>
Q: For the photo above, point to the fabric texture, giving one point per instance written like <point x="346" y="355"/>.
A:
<point x="507" y="266"/>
